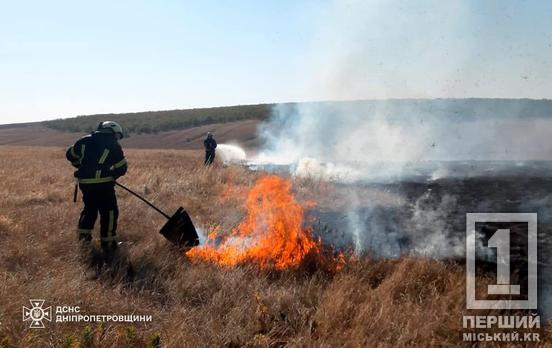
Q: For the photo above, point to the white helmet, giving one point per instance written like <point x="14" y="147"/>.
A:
<point x="113" y="126"/>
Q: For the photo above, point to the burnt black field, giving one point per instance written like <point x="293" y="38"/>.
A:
<point x="421" y="210"/>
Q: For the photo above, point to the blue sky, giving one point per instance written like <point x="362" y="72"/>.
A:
<point x="68" y="58"/>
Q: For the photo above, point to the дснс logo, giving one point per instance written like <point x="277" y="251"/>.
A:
<point x="36" y="314"/>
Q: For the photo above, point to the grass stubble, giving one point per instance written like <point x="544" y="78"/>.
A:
<point x="370" y="302"/>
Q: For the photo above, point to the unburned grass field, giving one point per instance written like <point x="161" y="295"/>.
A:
<point x="369" y="302"/>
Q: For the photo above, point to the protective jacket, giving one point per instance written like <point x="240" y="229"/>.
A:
<point x="98" y="158"/>
<point x="210" y="144"/>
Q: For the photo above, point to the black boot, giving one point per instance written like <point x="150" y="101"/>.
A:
<point x="110" y="251"/>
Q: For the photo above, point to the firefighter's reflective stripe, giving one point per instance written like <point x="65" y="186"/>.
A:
<point x="83" y="146"/>
<point x="73" y="153"/>
<point x="110" y="237"/>
<point x="102" y="159"/>
<point x="96" y="180"/>
<point x="84" y="231"/>
<point x="104" y="156"/>
<point x="120" y="163"/>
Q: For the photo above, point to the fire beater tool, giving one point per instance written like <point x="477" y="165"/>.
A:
<point x="179" y="228"/>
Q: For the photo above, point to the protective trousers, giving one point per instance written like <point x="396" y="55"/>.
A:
<point x="99" y="198"/>
<point x="209" y="157"/>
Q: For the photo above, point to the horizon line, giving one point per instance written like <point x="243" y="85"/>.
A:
<point x="275" y="103"/>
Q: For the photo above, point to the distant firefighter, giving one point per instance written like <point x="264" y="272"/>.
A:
<point x="99" y="160"/>
<point x="210" y="145"/>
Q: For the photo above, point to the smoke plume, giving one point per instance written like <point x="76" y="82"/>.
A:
<point x="420" y="146"/>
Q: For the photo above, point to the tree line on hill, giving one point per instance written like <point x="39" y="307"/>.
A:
<point x="149" y="122"/>
<point x="159" y="121"/>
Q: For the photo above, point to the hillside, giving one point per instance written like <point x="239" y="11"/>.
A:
<point x="185" y="129"/>
<point x="161" y="121"/>
<point x="239" y="132"/>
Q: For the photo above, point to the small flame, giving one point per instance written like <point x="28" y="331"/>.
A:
<point x="271" y="234"/>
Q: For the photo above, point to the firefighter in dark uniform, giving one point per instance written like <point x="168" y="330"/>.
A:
<point x="210" y="145"/>
<point x="99" y="160"/>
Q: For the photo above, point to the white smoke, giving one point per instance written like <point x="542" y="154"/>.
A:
<point x="375" y="140"/>
<point x="202" y="236"/>
<point x="379" y="49"/>
<point x="314" y="169"/>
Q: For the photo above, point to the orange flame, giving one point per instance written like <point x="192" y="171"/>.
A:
<point x="271" y="235"/>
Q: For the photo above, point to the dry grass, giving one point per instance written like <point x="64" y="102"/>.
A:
<point x="370" y="302"/>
